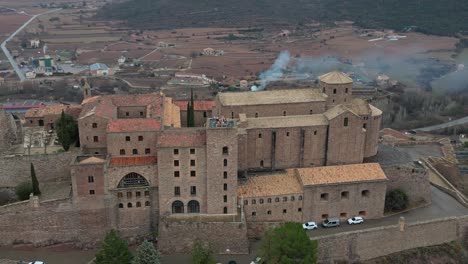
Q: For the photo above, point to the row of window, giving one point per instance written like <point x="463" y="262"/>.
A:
<point x="192" y="174"/>
<point x="135" y="151"/>
<point x="277" y="200"/>
<point x="128" y="138"/>
<point x="177" y="163"/>
<point x="192" y="207"/>
<point x="287" y="134"/>
<point x="334" y="90"/>
<point x="130" y="194"/>
<point x="130" y="205"/>
<point x="285" y="211"/>
<point x="344" y="195"/>
<point x="193" y="190"/>
<point x="176" y="151"/>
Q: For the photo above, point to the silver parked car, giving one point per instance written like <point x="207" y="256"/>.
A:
<point x="331" y="222"/>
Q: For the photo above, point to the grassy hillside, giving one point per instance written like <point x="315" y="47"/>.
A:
<point x="430" y="16"/>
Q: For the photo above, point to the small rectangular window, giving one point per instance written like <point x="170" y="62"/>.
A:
<point x="90" y="179"/>
<point x="119" y="195"/>
<point x="176" y="191"/>
<point x="285" y="211"/>
<point x="140" y="138"/>
<point x="192" y="163"/>
<point x="122" y="151"/>
<point x="135" y="151"/>
<point x="225" y="198"/>
<point x="225" y="150"/>
<point x="91" y="192"/>
<point x="146" y="193"/>
<point x="127" y="138"/>
<point x="176" y="163"/>
<point x="204" y="114"/>
<point x="345" y="122"/>
<point x="127" y="113"/>
<point x="129" y="194"/>
<point x="176" y="152"/>
<point x="176" y="173"/>
<point x="225" y="186"/>
<point x="141" y="113"/>
<point x="343" y="215"/>
<point x="365" y="193"/>
<point x="315" y="132"/>
<point x="147" y="151"/>
<point x="225" y="175"/>
<point x="345" y="195"/>
<point x="137" y="194"/>
<point x="94" y="125"/>
<point x="192" y="151"/>
<point x="96" y="139"/>
<point x="193" y="173"/>
<point x="364" y="125"/>
<point x="324" y="196"/>
<point x="193" y="190"/>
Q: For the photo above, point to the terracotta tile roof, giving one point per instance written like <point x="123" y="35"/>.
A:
<point x="341" y="174"/>
<point x="133" y="161"/>
<point x="359" y="107"/>
<point x="271" y="97"/>
<point x="335" y="77"/>
<point x="130" y="125"/>
<point x="92" y="160"/>
<point x="198" y="105"/>
<point x="182" y="137"/>
<point x="106" y="106"/>
<point x="393" y="133"/>
<point x="73" y="110"/>
<point x="282" y="183"/>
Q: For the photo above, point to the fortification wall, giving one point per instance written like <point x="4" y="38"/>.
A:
<point x="414" y="181"/>
<point x="376" y="242"/>
<point x="224" y="237"/>
<point x="51" y="167"/>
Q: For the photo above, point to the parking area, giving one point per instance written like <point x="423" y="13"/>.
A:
<point x="443" y="205"/>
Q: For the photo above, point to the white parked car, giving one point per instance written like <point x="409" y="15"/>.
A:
<point x="36" y="262"/>
<point x="309" y="226"/>
<point x="355" y="220"/>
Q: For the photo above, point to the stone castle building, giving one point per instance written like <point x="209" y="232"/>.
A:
<point x="282" y="155"/>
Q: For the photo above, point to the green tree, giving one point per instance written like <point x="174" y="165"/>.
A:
<point x="67" y="130"/>
<point x="23" y="190"/>
<point x="202" y="254"/>
<point x="288" y="244"/>
<point x="190" y="111"/>
<point x="114" y="250"/>
<point x="35" y="182"/>
<point x="146" y="254"/>
<point x="396" y="200"/>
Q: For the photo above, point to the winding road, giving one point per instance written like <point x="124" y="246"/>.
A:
<point x="452" y="123"/>
<point x="7" y="52"/>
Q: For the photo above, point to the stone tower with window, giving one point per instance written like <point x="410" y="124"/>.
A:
<point x="338" y="88"/>
<point x="86" y="89"/>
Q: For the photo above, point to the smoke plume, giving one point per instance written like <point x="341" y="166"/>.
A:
<point x="275" y="72"/>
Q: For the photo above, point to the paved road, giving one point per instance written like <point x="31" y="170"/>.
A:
<point x="443" y="205"/>
<point x="452" y="123"/>
<point x="8" y="54"/>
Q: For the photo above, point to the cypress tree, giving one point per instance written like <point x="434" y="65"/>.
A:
<point x="67" y="130"/>
<point x="35" y="182"/>
<point x="190" y="111"/>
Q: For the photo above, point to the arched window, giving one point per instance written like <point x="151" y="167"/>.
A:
<point x="225" y="162"/>
<point x="138" y="204"/>
<point x="269" y="200"/>
<point x="193" y="207"/>
<point x="225" y="150"/>
<point x="277" y="199"/>
<point x="120" y="205"/>
<point x="177" y="207"/>
<point x="254" y="201"/>
<point x="300" y="198"/>
<point x="293" y="198"/>
<point x="133" y="180"/>
<point x="147" y="203"/>
<point x="129" y="205"/>
<point x="261" y="201"/>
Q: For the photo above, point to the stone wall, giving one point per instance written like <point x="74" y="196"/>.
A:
<point x="224" y="237"/>
<point x="414" y="181"/>
<point x="376" y="242"/>
<point x="10" y="130"/>
<point x="50" y="222"/>
<point x="51" y="167"/>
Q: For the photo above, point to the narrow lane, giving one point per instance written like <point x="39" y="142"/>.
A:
<point x="12" y="61"/>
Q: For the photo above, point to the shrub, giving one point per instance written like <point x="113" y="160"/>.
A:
<point x="23" y="190"/>
<point x="396" y="200"/>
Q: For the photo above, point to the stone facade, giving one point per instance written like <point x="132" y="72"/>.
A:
<point x="10" y="130"/>
<point x="414" y="181"/>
